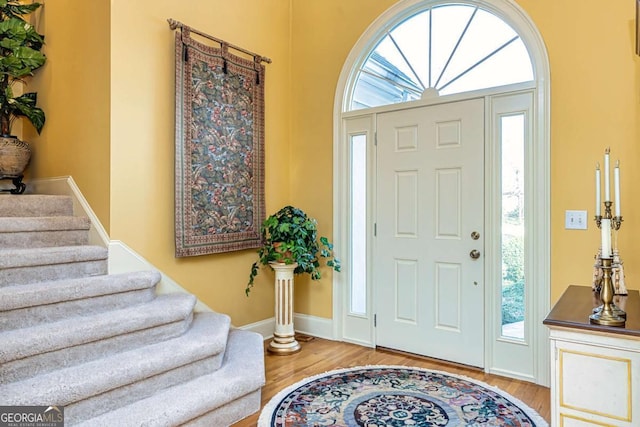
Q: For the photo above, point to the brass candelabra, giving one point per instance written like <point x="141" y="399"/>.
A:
<point x="608" y="314"/>
<point x="616" y="221"/>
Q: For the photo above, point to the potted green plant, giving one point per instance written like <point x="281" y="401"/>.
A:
<point x="290" y="236"/>
<point x="20" y="56"/>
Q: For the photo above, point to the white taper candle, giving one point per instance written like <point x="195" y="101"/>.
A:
<point x="598" y="204"/>
<point x="616" y="186"/>
<point x="605" y="228"/>
<point x="607" y="194"/>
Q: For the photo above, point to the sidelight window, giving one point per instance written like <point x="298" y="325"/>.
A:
<point x="512" y="131"/>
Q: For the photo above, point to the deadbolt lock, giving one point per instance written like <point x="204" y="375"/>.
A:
<point x="475" y="235"/>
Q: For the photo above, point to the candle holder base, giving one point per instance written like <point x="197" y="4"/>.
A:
<point x="606" y="319"/>
<point x="608" y="314"/>
<point x="617" y="311"/>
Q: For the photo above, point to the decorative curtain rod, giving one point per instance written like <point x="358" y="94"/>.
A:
<point x="173" y="24"/>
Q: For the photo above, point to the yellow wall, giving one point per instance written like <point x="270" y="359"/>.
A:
<point x="108" y="90"/>
<point x="594" y="104"/>
<point x="142" y="137"/>
<point x="73" y="90"/>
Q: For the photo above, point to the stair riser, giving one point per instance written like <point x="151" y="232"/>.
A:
<point x="32" y="274"/>
<point x="130" y="393"/>
<point x="77" y="331"/>
<point x="25" y="317"/>
<point x="45" y="293"/>
<point x="46" y="362"/>
<point x="204" y="398"/>
<point x="230" y="413"/>
<point x="44" y="239"/>
<point x="33" y="205"/>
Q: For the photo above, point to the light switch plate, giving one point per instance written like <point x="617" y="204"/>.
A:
<point x="575" y="220"/>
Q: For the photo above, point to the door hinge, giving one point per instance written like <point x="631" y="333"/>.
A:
<point x="375" y="229"/>
<point x="375" y="138"/>
<point x="375" y="320"/>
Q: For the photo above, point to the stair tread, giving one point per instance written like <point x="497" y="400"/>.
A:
<point x="206" y="338"/>
<point x="54" y="291"/>
<point x="26" y="257"/>
<point x="50" y="223"/>
<point x="21" y="343"/>
<point x="242" y="372"/>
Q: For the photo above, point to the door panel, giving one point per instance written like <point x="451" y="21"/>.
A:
<point x="429" y="199"/>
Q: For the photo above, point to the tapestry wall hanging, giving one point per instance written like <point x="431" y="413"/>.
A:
<point x="219" y="147"/>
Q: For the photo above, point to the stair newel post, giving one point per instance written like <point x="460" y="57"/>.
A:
<point x="284" y="341"/>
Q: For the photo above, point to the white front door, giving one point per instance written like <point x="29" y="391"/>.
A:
<point x="428" y="255"/>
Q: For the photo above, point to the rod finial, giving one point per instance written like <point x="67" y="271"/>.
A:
<point x="173" y="24"/>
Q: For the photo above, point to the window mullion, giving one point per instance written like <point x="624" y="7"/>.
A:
<point x="453" y="52"/>
<point x="480" y="62"/>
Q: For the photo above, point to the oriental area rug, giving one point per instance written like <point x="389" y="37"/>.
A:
<point x="379" y="396"/>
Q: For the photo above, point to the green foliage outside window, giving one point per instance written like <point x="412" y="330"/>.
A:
<point x="512" y="279"/>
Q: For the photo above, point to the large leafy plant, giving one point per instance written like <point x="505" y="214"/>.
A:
<point x="290" y="236"/>
<point x="20" y="46"/>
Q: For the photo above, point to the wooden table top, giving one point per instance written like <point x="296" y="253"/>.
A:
<point x="576" y="304"/>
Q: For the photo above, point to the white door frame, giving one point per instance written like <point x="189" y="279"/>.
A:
<point x="540" y="171"/>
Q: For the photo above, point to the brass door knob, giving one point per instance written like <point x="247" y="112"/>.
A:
<point x="475" y="254"/>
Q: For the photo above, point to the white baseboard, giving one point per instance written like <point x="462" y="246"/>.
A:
<point x="303" y="323"/>
<point x="264" y="327"/>
<point x="320" y="327"/>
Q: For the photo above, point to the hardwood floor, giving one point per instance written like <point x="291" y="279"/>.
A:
<point x="318" y="356"/>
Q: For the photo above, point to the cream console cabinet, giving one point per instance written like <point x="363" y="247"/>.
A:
<point x="595" y="370"/>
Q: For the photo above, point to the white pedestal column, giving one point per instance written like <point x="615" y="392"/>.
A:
<point x="284" y="341"/>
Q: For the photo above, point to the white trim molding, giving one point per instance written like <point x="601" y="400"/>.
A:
<point x="539" y="272"/>
<point x="66" y="186"/>
<point x="121" y="257"/>
<point x="319" y="327"/>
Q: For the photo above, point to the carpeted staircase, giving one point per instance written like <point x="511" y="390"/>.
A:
<point x="105" y="346"/>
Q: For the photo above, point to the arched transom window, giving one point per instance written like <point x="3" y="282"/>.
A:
<point x="444" y="49"/>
